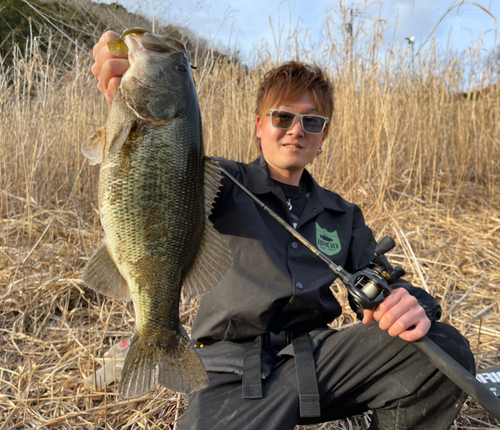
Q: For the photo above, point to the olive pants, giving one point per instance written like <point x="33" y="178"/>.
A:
<point x="358" y="369"/>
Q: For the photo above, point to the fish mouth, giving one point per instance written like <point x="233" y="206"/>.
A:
<point x="134" y="30"/>
<point x="137" y="41"/>
<point x="140" y="40"/>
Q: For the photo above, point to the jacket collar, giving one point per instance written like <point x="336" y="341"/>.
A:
<point x="258" y="181"/>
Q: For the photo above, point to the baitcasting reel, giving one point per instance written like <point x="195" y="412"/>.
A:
<point x="370" y="286"/>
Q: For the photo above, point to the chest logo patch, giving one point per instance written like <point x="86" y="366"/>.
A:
<point x="327" y="242"/>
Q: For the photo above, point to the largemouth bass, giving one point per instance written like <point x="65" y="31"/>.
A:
<point x="156" y="190"/>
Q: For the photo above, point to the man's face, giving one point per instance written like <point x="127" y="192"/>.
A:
<point x="288" y="152"/>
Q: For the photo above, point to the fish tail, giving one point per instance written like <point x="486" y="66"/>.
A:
<point x="169" y="360"/>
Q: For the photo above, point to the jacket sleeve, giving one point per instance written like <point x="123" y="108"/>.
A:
<point x="361" y="255"/>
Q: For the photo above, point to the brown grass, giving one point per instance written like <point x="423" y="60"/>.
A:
<point x="423" y="163"/>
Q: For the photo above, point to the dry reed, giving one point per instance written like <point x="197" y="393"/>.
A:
<point x="423" y="162"/>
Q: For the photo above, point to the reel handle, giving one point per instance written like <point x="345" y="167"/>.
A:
<point x="384" y="246"/>
<point x="397" y="273"/>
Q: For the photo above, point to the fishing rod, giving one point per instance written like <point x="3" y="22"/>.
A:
<point x="369" y="287"/>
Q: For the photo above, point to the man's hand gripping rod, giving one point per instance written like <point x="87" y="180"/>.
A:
<point x="369" y="287"/>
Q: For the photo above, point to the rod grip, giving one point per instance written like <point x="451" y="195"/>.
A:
<point x="463" y="379"/>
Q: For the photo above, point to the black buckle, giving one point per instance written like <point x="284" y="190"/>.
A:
<point x="276" y="341"/>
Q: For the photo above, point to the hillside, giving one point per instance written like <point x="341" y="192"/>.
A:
<point x="83" y="21"/>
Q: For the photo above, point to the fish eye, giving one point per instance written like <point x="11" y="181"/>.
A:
<point x="181" y="67"/>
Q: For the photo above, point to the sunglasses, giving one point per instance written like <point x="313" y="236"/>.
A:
<point x="285" y="120"/>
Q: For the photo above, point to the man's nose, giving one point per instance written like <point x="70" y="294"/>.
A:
<point x="296" y="129"/>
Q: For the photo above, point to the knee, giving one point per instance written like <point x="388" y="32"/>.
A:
<point x="452" y="342"/>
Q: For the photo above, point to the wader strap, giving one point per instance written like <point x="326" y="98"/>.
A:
<point x="252" y="375"/>
<point x="306" y="378"/>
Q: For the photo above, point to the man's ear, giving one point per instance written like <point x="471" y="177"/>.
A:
<point x="258" y="125"/>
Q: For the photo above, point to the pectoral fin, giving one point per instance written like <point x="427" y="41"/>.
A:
<point x="102" y="275"/>
<point x="94" y="146"/>
<point x="118" y="140"/>
<point x="214" y="256"/>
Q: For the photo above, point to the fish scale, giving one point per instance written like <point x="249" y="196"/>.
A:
<point x="154" y="175"/>
<point x="156" y="190"/>
<point x="150" y="178"/>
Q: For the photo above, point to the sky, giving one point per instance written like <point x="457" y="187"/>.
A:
<point x="247" y="22"/>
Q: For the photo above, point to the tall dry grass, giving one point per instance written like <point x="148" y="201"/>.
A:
<point x="422" y="161"/>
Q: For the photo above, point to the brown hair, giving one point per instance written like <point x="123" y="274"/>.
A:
<point x="288" y="82"/>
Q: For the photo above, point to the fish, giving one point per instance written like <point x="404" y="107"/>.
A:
<point x="156" y="191"/>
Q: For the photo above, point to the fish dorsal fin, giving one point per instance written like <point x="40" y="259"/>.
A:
<point x="213" y="259"/>
<point x="118" y="140"/>
<point x="94" y="146"/>
<point x="102" y="275"/>
<point x="213" y="176"/>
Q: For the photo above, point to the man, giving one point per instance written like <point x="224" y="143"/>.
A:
<point x="262" y="331"/>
